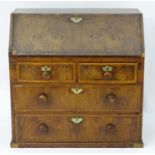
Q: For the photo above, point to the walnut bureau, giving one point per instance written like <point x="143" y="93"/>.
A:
<point x="76" y="77"/>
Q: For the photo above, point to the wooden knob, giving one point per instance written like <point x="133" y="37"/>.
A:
<point x="107" y="75"/>
<point x="110" y="127"/>
<point x="43" y="128"/>
<point x="46" y="75"/>
<point x="111" y="98"/>
<point x="42" y="99"/>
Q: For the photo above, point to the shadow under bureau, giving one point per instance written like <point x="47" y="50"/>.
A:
<point x="76" y="77"/>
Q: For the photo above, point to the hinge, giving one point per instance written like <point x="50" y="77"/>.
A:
<point x="13" y="51"/>
<point x="142" y="54"/>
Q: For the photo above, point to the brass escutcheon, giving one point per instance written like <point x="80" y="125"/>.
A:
<point x="76" y="120"/>
<point x="45" y="68"/>
<point x="76" y="19"/>
<point x="107" y="68"/>
<point x="77" y="90"/>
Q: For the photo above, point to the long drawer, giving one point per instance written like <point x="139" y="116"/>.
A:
<point x="75" y="128"/>
<point x="77" y="98"/>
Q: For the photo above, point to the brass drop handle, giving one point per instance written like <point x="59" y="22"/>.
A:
<point x="46" y="72"/>
<point x="76" y="19"/>
<point x="43" y="128"/>
<point x="77" y="120"/>
<point x="111" y="98"/>
<point x="77" y="90"/>
<point x="107" y="72"/>
<point x="110" y="127"/>
<point x="42" y="99"/>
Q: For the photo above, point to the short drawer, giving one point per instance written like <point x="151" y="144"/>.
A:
<point x="45" y="72"/>
<point x="108" y="72"/>
<point x="78" y="98"/>
<point x="77" y="128"/>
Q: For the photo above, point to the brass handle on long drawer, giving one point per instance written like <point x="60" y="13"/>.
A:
<point x="77" y="90"/>
<point x="76" y="19"/>
<point x="76" y="120"/>
<point x="46" y="72"/>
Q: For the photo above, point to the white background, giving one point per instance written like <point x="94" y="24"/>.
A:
<point x="148" y="10"/>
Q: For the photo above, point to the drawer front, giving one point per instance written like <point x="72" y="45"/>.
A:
<point x="86" y="98"/>
<point x="73" y="128"/>
<point x="108" y="72"/>
<point x="45" y="72"/>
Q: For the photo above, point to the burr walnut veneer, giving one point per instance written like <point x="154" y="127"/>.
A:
<point x="76" y="77"/>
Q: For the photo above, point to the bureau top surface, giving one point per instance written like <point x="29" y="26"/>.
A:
<point x="76" y="32"/>
<point x="75" y="10"/>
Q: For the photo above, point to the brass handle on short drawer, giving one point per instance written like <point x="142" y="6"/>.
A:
<point x="76" y="19"/>
<point x="77" y="90"/>
<point x="46" y="72"/>
<point x="107" y="72"/>
<point x="42" y="99"/>
<point x="43" y="128"/>
<point x="76" y="120"/>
